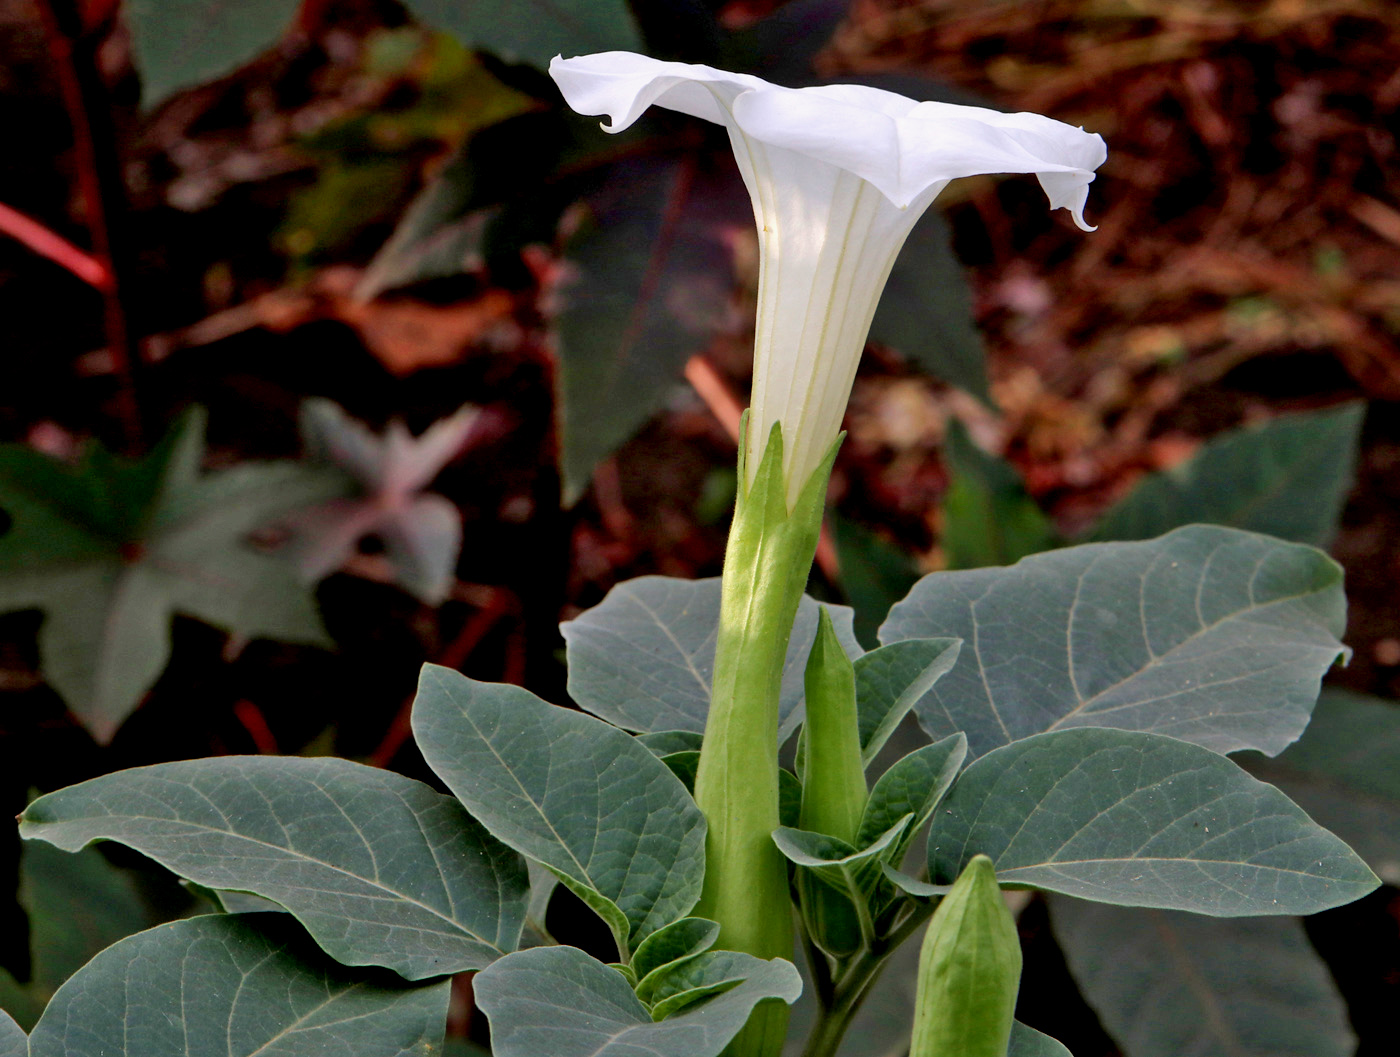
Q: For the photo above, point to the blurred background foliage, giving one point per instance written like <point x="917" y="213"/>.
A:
<point x="334" y="223"/>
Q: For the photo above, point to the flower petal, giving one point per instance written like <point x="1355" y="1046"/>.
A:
<point x="904" y="147"/>
<point x="622" y="85"/>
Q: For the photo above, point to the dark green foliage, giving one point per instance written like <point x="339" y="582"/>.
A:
<point x="111" y="549"/>
<point x="1287" y="477"/>
<point x="988" y="518"/>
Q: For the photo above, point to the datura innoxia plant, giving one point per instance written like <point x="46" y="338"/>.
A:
<point x="838" y="176"/>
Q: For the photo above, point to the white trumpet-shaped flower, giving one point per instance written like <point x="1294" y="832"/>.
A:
<point x="838" y="176"/>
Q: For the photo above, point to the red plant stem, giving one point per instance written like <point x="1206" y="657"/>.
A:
<point x="607" y="492"/>
<point x="516" y="660"/>
<point x="255" y="723"/>
<point x="399" y="730"/>
<point x="99" y="176"/>
<point x="55" y="247"/>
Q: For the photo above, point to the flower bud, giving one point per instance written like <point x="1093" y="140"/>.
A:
<point x="833" y="783"/>
<point x="969" y="971"/>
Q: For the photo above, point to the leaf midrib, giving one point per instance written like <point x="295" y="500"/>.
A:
<point x="1055" y="863"/>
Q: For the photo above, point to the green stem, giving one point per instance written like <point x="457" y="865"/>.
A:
<point x="839" y="1001"/>
<point x="849" y="992"/>
<point x="823" y="987"/>
<point x="765" y="572"/>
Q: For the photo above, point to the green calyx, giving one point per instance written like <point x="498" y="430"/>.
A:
<point x="969" y="971"/>
<point x="766" y="565"/>
<point x="833" y="790"/>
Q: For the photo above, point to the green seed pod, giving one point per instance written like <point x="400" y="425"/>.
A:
<point x="833" y="786"/>
<point x="969" y="971"/>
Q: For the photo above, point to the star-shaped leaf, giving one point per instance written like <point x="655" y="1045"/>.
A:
<point x="110" y="549"/>
<point x="422" y="534"/>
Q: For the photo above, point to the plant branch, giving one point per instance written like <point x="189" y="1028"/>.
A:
<point x="909" y="925"/>
<point x="839" y="1000"/>
<point x="850" y="991"/>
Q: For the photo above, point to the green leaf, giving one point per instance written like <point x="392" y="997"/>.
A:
<point x="559" y="1001"/>
<point x="110" y="550"/>
<point x="647" y="285"/>
<point x="891" y="680"/>
<point x="988" y="517"/>
<point x="926" y="310"/>
<point x="1027" y="1042"/>
<point x="684" y="766"/>
<point x="912" y="786"/>
<point x="679" y="941"/>
<point x="1345" y="772"/>
<point x="182" y="43"/>
<point x="1287" y="477"/>
<point x="681" y="986"/>
<point x="920" y="890"/>
<point x="850" y="871"/>
<point x="235" y="902"/>
<point x="571" y="792"/>
<point x="236" y="986"/>
<point x="644" y="657"/>
<point x="380" y="869"/>
<point x="875" y="574"/>
<point x="665" y="743"/>
<point x="1208" y="634"/>
<point x="682" y="1000"/>
<point x="76" y="905"/>
<point x="13" y="1041"/>
<point x="789" y="797"/>
<point x="1141" y="820"/>
<point x="1166" y="983"/>
<point x="532" y="30"/>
